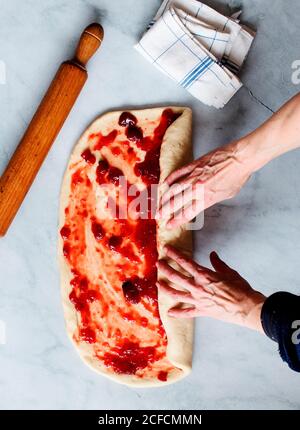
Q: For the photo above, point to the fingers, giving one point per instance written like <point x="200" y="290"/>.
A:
<point x="185" y="214"/>
<point x="219" y="265"/>
<point x="184" y="313"/>
<point x="174" y="276"/>
<point x="179" y="296"/>
<point x="172" y="192"/>
<point x="179" y="173"/>
<point x="186" y="263"/>
<point x="180" y="196"/>
<point x="202" y="275"/>
<point x="176" y="202"/>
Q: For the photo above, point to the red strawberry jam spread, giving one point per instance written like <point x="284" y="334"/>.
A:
<point x="112" y="258"/>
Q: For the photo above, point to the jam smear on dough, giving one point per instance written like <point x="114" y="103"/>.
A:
<point x="112" y="258"/>
<point x="106" y="140"/>
<point x="130" y="357"/>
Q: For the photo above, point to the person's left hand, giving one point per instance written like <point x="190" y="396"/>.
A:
<point x="220" y="293"/>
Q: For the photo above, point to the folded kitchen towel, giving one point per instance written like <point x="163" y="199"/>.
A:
<point x="199" y="48"/>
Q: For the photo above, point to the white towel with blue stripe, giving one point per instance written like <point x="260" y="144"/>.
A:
<point x="199" y="48"/>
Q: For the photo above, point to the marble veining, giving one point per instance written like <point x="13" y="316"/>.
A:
<point x="258" y="232"/>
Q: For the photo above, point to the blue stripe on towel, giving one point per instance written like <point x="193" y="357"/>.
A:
<point x="199" y="75"/>
<point x="191" y="73"/>
<point x="196" y="67"/>
<point x="194" y="74"/>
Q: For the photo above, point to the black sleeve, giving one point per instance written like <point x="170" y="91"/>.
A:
<point x="280" y="318"/>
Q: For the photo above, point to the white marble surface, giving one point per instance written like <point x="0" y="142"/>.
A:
<point x="258" y="232"/>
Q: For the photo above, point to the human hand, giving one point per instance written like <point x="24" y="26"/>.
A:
<point x="220" y="293"/>
<point x="217" y="176"/>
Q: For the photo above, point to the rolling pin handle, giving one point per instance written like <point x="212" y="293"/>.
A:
<point x="89" y="43"/>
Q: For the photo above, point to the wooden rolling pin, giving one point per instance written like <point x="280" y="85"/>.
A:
<point x="45" y="126"/>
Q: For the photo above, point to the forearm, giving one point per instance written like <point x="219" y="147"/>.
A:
<point x="279" y="134"/>
<point x="225" y="170"/>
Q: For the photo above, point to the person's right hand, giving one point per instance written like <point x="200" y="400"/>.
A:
<point x="221" y="293"/>
<point x="217" y="176"/>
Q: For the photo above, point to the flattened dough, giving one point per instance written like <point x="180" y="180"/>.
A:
<point x="176" y="150"/>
